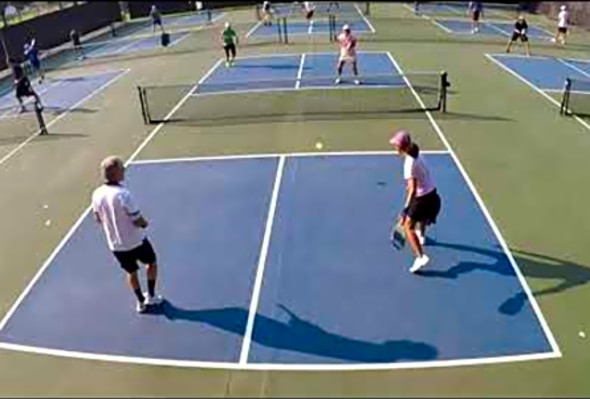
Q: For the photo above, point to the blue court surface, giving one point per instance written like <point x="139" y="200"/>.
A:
<point x="299" y="71"/>
<point x="297" y="25"/>
<point x="60" y="94"/>
<point x="544" y="73"/>
<point x="504" y="29"/>
<point x="431" y="8"/>
<point x="129" y="45"/>
<point x="313" y="231"/>
<point x="174" y="21"/>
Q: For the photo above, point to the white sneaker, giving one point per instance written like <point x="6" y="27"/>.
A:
<point x="141" y="308"/>
<point x="337" y="81"/>
<point x="153" y="300"/>
<point x="419" y="263"/>
<point x="357" y="82"/>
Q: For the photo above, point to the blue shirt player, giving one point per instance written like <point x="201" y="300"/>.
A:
<point x="475" y="9"/>
<point x="32" y="55"/>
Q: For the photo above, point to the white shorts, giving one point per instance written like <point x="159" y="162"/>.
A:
<point x="347" y="58"/>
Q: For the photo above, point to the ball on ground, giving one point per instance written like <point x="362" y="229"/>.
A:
<point x="319" y="145"/>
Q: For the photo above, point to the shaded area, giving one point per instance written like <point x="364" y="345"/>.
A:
<point x="571" y="275"/>
<point x="301" y="335"/>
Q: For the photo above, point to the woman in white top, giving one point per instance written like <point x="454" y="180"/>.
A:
<point x="423" y="203"/>
<point x="562" y="23"/>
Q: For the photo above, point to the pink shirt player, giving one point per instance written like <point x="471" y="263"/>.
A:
<point x="347" y="43"/>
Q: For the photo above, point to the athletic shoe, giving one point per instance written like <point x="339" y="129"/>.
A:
<point x="338" y="81"/>
<point x="152" y="300"/>
<point x="227" y="64"/>
<point x="419" y="263"/>
<point x="141" y="307"/>
<point x="357" y="82"/>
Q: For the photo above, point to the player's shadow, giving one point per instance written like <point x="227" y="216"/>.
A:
<point x="302" y="336"/>
<point x="569" y="274"/>
<point x="500" y="264"/>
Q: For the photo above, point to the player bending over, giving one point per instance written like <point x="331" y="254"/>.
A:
<point x="520" y="28"/>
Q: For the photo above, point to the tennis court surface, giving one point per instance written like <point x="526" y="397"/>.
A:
<point x="271" y="189"/>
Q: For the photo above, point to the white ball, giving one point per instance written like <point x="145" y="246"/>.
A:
<point x="319" y="145"/>
<point x="582" y="334"/>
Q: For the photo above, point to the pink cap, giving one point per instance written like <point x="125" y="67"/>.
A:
<point x="401" y="139"/>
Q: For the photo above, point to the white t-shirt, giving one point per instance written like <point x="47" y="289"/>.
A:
<point x="117" y="211"/>
<point x="562" y="17"/>
<point x="418" y="169"/>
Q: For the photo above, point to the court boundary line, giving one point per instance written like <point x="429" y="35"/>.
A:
<point x="553" y="101"/>
<point x="363" y="16"/>
<point x="276" y="155"/>
<point x="532" y="300"/>
<point x="253" y="29"/>
<point x="300" y="71"/>
<point x="278" y="366"/>
<point x="75" y="226"/>
<point x="575" y="68"/>
<point x="256" y="290"/>
<point x="104" y="86"/>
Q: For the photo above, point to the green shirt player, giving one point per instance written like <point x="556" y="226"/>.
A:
<point x="230" y="39"/>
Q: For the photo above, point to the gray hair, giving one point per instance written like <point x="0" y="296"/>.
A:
<point x="109" y="166"/>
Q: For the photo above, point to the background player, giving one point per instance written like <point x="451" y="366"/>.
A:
<point x="347" y="42"/>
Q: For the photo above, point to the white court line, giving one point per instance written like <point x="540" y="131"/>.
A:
<point x="65" y="239"/>
<point x="535" y="88"/>
<point x="277" y="366"/>
<point x="441" y="26"/>
<point x="497" y="29"/>
<point x="300" y="72"/>
<point x="575" y="68"/>
<point x="256" y="26"/>
<point x="499" y="237"/>
<point x="53" y="121"/>
<point x="302" y="88"/>
<point x="276" y="155"/>
<point x="363" y="16"/>
<point x="247" y="340"/>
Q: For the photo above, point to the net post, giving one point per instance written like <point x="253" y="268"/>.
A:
<point x="565" y="100"/>
<point x="285" y="34"/>
<point x="142" y="101"/>
<point x="209" y="16"/>
<point x="444" y="84"/>
<point x="257" y="11"/>
<point x="40" y="120"/>
<point x="367" y="8"/>
<point x="280" y="31"/>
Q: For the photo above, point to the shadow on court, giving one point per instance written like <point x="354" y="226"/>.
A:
<point x="302" y="336"/>
<point x="570" y="275"/>
<point x="532" y="265"/>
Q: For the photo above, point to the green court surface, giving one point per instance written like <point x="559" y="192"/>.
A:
<point x="528" y="164"/>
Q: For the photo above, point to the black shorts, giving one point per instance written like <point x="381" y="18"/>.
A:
<point x="309" y="14"/>
<point x="143" y="253"/>
<point x="76" y="41"/>
<point x="230" y="48"/>
<point x="424" y="209"/>
<point x="562" y="30"/>
<point x="516" y="35"/>
<point x="476" y="15"/>
<point x="157" y="21"/>
<point x="24" y="89"/>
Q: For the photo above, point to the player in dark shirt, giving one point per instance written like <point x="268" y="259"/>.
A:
<point x="23" y="87"/>
<point x="520" y="30"/>
<point x="75" y="38"/>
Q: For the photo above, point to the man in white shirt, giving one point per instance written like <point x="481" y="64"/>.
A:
<point x="123" y="225"/>
<point x="562" y="24"/>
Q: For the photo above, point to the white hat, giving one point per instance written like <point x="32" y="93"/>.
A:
<point x="227" y="24"/>
<point x="346" y="27"/>
<point x="563" y="7"/>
